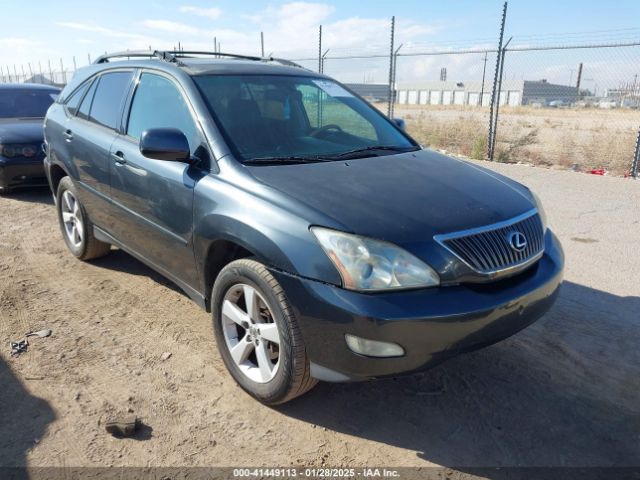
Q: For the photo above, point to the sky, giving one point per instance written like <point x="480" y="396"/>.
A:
<point x="37" y="31"/>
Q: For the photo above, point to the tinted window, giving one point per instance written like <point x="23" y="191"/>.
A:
<point x="157" y="103"/>
<point x="74" y="101"/>
<point x="22" y="102"/>
<point x="107" y="101"/>
<point x="85" y="106"/>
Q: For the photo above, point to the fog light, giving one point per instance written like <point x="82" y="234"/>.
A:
<point x="373" y="348"/>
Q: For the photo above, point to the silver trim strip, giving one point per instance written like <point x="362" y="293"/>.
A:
<point x="442" y="238"/>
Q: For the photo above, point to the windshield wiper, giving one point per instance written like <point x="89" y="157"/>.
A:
<point x="290" y="159"/>
<point x="358" y="152"/>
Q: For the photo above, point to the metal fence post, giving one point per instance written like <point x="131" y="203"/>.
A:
<point x="391" y="52"/>
<point x="495" y="85"/>
<point x="499" y="92"/>
<point x="320" y="49"/>
<point x="636" y="158"/>
<point x="393" y="82"/>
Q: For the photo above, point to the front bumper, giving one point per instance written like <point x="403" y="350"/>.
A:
<point x="430" y="324"/>
<point x="21" y="172"/>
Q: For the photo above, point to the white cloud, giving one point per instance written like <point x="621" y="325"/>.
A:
<point x="171" y="27"/>
<point x="16" y="42"/>
<point x="211" y="13"/>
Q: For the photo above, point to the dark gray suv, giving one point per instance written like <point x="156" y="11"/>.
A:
<point x="327" y="243"/>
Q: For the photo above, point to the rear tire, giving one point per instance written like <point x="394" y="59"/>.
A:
<point x="251" y="312"/>
<point x="75" y="225"/>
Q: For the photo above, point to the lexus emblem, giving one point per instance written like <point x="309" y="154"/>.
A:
<point x="517" y="241"/>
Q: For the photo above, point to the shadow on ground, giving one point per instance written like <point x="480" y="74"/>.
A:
<point x="564" y="392"/>
<point x="23" y="419"/>
<point x="32" y="195"/>
<point x="120" y="261"/>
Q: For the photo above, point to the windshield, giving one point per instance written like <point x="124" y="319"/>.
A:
<point x="267" y="117"/>
<point x="19" y="103"/>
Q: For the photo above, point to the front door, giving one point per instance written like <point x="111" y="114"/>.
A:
<point x="153" y="199"/>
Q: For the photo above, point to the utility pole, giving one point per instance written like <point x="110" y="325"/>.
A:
<point x="262" y="43"/>
<point x="484" y="71"/>
<point x="578" y="81"/>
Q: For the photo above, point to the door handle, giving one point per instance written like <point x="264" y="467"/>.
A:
<point x="119" y="158"/>
<point x="68" y="135"/>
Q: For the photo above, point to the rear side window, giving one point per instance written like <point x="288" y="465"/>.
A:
<point x="107" y="101"/>
<point x="74" y="101"/>
<point x="85" y="106"/>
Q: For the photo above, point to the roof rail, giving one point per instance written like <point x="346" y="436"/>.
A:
<point x="188" y="53"/>
<point x="174" y="56"/>
<point x="128" y="54"/>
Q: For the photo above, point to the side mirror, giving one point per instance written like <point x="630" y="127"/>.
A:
<point x="168" y="144"/>
<point x="400" y="123"/>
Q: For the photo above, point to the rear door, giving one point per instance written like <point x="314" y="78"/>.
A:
<point x="153" y="199"/>
<point x="89" y="135"/>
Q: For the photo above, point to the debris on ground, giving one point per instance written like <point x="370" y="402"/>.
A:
<point x="124" y="427"/>
<point x="39" y="333"/>
<point x="21" y="345"/>
<point x="166" y="356"/>
<point x="18" y="347"/>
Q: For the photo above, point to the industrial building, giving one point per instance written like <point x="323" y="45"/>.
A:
<point x="374" y="92"/>
<point x="514" y="93"/>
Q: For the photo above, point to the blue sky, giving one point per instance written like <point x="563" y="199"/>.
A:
<point x="34" y="31"/>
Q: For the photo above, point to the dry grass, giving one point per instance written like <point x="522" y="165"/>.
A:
<point x="461" y="135"/>
<point x="578" y="138"/>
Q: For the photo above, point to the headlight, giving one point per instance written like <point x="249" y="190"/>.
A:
<point x="7" y="151"/>
<point x="541" y="212"/>
<point x="366" y="264"/>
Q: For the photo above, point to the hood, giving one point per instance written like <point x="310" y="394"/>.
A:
<point x="404" y="199"/>
<point x="17" y="130"/>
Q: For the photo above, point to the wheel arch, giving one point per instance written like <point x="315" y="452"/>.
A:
<point x="220" y="239"/>
<point x="56" y="173"/>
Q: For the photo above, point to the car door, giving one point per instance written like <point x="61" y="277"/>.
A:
<point x="89" y="135"/>
<point x="153" y="199"/>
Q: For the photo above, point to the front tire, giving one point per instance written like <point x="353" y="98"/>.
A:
<point x="257" y="334"/>
<point x="76" y="227"/>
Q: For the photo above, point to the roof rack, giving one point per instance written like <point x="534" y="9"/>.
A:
<point x="127" y="54"/>
<point x="174" y="56"/>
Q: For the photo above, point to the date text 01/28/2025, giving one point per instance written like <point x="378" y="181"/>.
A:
<point x="316" y="472"/>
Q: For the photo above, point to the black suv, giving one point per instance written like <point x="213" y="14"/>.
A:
<point x="327" y="243"/>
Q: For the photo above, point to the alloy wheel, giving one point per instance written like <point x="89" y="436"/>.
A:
<point x="72" y="219"/>
<point x="251" y="333"/>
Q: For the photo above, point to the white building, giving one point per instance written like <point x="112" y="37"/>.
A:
<point x="514" y="93"/>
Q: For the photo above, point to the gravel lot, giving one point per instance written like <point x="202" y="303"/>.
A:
<point x="564" y="392"/>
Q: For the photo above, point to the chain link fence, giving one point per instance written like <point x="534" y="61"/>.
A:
<point x="576" y="106"/>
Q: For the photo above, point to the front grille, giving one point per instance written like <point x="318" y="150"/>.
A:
<point x="489" y="250"/>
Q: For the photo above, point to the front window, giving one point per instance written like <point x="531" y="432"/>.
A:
<point x="157" y="103"/>
<point x="271" y="117"/>
<point x="24" y="103"/>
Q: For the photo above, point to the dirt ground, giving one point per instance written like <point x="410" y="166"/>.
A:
<point x="564" y="392"/>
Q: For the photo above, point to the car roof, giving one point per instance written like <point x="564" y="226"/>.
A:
<point x="187" y="64"/>
<point x="28" y="86"/>
<point x="206" y="66"/>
